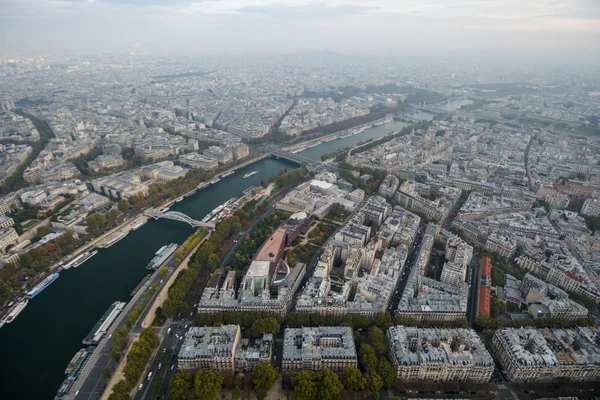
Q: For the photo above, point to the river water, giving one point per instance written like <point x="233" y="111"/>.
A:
<point x="452" y="105"/>
<point x="36" y="348"/>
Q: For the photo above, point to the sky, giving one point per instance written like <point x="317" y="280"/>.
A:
<point x="274" y="26"/>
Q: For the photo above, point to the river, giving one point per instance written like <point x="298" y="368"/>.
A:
<point x="452" y="105"/>
<point x="36" y="348"/>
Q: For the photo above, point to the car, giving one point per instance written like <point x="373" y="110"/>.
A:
<point x="172" y="367"/>
<point x="140" y="387"/>
<point x="164" y="350"/>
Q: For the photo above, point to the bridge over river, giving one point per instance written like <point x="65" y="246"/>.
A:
<point x="177" y="216"/>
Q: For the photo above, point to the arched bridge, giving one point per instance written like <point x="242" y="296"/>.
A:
<point x="177" y="216"/>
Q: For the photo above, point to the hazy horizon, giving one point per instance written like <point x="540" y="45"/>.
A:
<point x="502" y="27"/>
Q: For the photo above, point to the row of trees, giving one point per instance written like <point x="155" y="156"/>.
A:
<point x="207" y="383"/>
<point x="285" y="178"/>
<point x="244" y="319"/>
<point x="121" y="334"/>
<point x="189" y="244"/>
<point x="138" y="357"/>
<point x="35" y="261"/>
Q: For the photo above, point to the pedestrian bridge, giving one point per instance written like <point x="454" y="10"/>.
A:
<point x="177" y="216"/>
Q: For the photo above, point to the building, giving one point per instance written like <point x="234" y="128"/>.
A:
<point x="591" y="207"/>
<point x="502" y="244"/>
<point x="238" y="150"/>
<point x="209" y="347"/>
<point x="7" y="237"/>
<point x="557" y="200"/>
<point x="249" y="353"/>
<point x="195" y="160"/>
<point x="542" y="355"/>
<point x="316" y="348"/>
<point x="485" y="283"/>
<point x="439" y="355"/>
<point x="6" y="222"/>
<point x="223" y="156"/>
<point x="458" y="257"/>
<point x="389" y="186"/>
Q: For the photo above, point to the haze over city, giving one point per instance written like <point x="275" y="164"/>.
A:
<point x="297" y="199"/>
<point x="283" y="26"/>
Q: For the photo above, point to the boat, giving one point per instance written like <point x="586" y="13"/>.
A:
<point x="42" y="285"/>
<point x="179" y="199"/>
<point x="104" y="323"/>
<point x="226" y="174"/>
<point x="80" y="259"/>
<point x="138" y="226"/>
<point x="215" y="180"/>
<point x="313" y="145"/>
<point x="249" y="174"/>
<point x="164" y="210"/>
<point x="190" y="193"/>
<point x="73" y="371"/>
<point x="115" y="239"/>
<point x="162" y="255"/>
<point x="14" y="312"/>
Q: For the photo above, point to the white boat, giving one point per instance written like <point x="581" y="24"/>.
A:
<point x="226" y="174"/>
<point x="15" y="311"/>
<point x="164" y="210"/>
<point x="249" y="174"/>
<point x="115" y="239"/>
<point x="138" y="226"/>
<point x="179" y="199"/>
<point x="80" y="259"/>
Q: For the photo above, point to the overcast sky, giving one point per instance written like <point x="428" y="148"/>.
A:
<point x="274" y="26"/>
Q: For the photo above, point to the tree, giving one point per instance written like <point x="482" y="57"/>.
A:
<point x="330" y="387"/>
<point x="367" y="358"/>
<point x="120" y="391"/>
<point x="377" y="339"/>
<point x="180" y="385"/>
<point x="207" y="384"/>
<point x="383" y="320"/>
<point x="213" y="262"/>
<point x="123" y="206"/>
<point x="304" y="385"/>
<point x="263" y="378"/>
<point x="95" y="223"/>
<point x="106" y="373"/>
<point x="235" y="393"/>
<point x="163" y="272"/>
<point x="375" y="386"/>
<point x="264" y="325"/>
<point x="353" y="379"/>
<point x="43" y="231"/>
<point x="386" y="372"/>
<point x="228" y="378"/>
<point x="112" y="217"/>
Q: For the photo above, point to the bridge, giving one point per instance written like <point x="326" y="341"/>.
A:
<point x="177" y="216"/>
<point x="300" y="159"/>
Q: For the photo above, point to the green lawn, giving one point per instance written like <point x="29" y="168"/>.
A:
<point x="30" y="223"/>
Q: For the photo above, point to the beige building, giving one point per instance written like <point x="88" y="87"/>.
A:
<point x="7" y="237"/>
<point x="439" y="355"/>
<point x="542" y="355"/>
<point x="316" y="348"/>
<point x="208" y="347"/>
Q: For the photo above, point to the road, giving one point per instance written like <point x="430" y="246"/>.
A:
<point x="408" y="266"/>
<point x="474" y="272"/>
<point x="90" y="383"/>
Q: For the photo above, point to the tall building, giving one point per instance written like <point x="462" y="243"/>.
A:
<point x="591" y="207"/>
<point x="316" y="348"/>
<point x="439" y="355"/>
<point x="485" y="282"/>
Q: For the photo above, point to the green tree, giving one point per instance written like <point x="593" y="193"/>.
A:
<point x="163" y="272"/>
<point x="106" y="373"/>
<point x="386" y="372"/>
<point x="304" y="385"/>
<point x="180" y="386"/>
<point x="235" y="393"/>
<point x="263" y="378"/>
<point x="353" y="379"/>
<point x="367" y="358"/>
<point x="383" y="320"/>
<point x="213" y="262"/>
<point x="95" y="223"/>
<point x="264" y="325"/>
<point x="123" y="206"/>
<point x="112" y="218"/>
<point x="43" y="231"/>
<point x="120" y="391"/>
<point x="207" y="384"/>
<point x="375" y="386"/>
<point x="377" y="339"/>
<point x="330" y="387"/>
